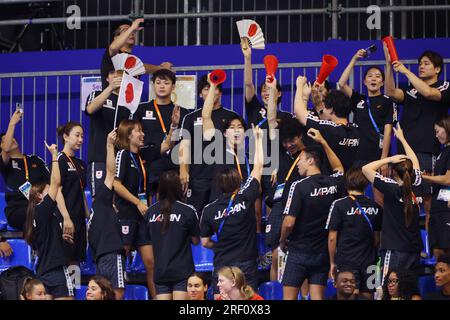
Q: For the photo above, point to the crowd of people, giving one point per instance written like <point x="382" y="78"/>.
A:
<point x="166" y="178"/>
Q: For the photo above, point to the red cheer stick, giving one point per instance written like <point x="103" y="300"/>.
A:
<point x="218" y="76"/>
<point x="329" y="62"/>
<point x="391" y="48"/>
<point x="271" y="63"/>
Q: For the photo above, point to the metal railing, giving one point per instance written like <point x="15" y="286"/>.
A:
<point x="196" y="22"/>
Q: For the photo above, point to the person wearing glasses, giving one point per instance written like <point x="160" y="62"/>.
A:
<point x="401" y="285"/>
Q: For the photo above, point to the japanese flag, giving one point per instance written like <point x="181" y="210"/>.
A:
<point x="130" y="92"/>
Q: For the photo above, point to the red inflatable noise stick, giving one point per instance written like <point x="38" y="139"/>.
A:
<point x="129" y="93"/>
<point x="391" y="48"/>
<point x="218" y="76"/>
<point x="271" y="64"/>
<point x="329" y="62"/>
<point x="130" y="62"/>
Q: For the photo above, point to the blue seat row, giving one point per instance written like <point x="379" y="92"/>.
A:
<point x="132" y="292"/>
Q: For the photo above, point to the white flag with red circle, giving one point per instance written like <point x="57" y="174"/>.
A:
<point x="130" y="92"/>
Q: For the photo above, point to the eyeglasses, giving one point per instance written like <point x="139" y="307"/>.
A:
<point x="393" y="281"/>
<point x="320" y="112"/>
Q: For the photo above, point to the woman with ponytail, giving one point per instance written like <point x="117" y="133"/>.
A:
<point x="232" y="285"/>
<point x="44" y="233"/>
<point x="401" y="242"/>
<point x="172" y="226"/>
<point x="71" y="200"/>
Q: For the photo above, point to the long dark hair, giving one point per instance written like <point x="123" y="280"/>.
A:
<point x="405" y="171"/>
<point x="169" y="191"/>
<point x="106" y="287"/>
<point x="32" y="203"/>
<point x="407" y="285"/>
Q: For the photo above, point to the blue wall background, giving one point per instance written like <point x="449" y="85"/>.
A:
<point x="61" y="108"/>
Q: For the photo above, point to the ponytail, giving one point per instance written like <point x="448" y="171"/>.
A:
<point x="247" y="292"/>
<point x="166" y="208"/>
<point x="32" y="203"/>
<point x="407" y="198"/>
<point x="169" y="191"/>
<point x="66" y="129"/>
<point x="28" y="284"/>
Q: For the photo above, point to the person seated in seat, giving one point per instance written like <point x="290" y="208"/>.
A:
<point x="232" y="285"/>
<point x="442" y="278"/>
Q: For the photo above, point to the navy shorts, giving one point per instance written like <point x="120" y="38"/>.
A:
<point x="135" y="233"/>
<point x="427" y="163"/>
<point x="112" y="267"/>
<point x="273" y="226"/>
<point x="169" y="287"/>
<point x="249" y="268"/>
<point x="301" y="266"/>
<point x="439" y="232"/>
<point x="96" y="175"/>
<point x="58" y="283"/>
<point x="199" y="193"/>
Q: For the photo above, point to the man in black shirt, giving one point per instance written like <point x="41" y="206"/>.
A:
<point x="197" y="176"/>
<point x="442" y="277"/>
<point x="157" y="116"/>
<point x="306" y="212"/>
<point x="124" y="38"/>
<point x="345" y="284"/>
<point x="425" y="102"/>
<point x="342" y="136"/>
<point x="101" y="108"/>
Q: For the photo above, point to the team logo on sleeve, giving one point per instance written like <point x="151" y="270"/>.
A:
<point x="125" y="229"/>
<point x="360" y="104"/>
<point x="198" y="122"/>
<point x="189" y="193"/>
<point x="71" y="167"/>
<point x="15" y="165"/>
<point x="263" y="112"/>
<point x="98" y="174"/>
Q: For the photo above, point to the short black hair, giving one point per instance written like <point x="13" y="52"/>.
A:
<point x="435" y="58"/>
<point x="228" y="121"/>
<point x="164" y="74"/>
<point x="290" y="129"/>
<point x="278" y="88"/>
<point x="203" y="83"/>
<point x="339" y="102"/>
<point x="343" y="270"/>
<point x="444" y="259"/>
<point x="116" y="28"/>
<point x="383" y="76"/>
<point x="316" y="153"/>
<point x="355" y="179"/>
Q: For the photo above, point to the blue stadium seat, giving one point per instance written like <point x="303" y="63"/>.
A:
<point x="426" y="285"/>
<point x="88" y="198"/>
<point x="210" y="293"/>
<point x="369" y="191"/>
<point x="80" y="294"/>
<point x="3" y="221"/>
<point x="88" y="267"/>
<point x="203" y="258"/>
<point x="137" y="265"/>
<point x="330" y="291"/>
<point x="426" y="258"/>
<point x="135" y="292"/>
<point x="272" y="290"/>
<point x="22" y="255"/>
<point x="264" y="252"/>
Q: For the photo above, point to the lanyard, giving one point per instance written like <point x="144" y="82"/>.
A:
<point x="225" y="215"/>
<point x="362" y="211"/>
<point x="79" y="176"/>
<point x="261" y="122"/>
<point x="292" y="168"/>
<point x="163" y="126"/>
<point x="27" y="177"/>
<point x="371" y="117"/>
<point x="239" y="166"/>
<point x="143" y="171"/>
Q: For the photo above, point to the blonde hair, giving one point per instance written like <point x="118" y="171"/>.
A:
<point x="236" y="274"/>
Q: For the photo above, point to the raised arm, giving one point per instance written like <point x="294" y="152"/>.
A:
<point x="121" y="39"/>
<point x="408" y="150"/>
<point x="9" y="136"/>
<point x="301" y="99"/>
<point x="55" y="178"/>
<point x="423" y="88"/>
<point x="97" y="103"/>
<point x="370" y="169"/>
<point x="110" y="159"/>
<point x="248" y="72"/>
<point x="272" y="107"/>
<point x="184" y="159"/>
<point x="336" y="164"/>
<point x="343" y="81"/>
<point x="168" y="142"/>
<point x="389" y="85"/>
<point x="258" y="161"/>
<point x="208" y="105"/>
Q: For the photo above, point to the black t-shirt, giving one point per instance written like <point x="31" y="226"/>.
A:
<point x="438" y="295"/>
<point x="104" y="231"/>
<point x="71" y="188"/>
<point x="286" y="162"/>
<point x="237" y="240"/>
<point x="129" y="172"/>
<point x="101" y="124"/>
<point x="382" y="110"/>
<point x="355" y="242"/>
<point x="47" y="236"/>
<point x="193" y="126"/>
<point x="172" y="250"/>
<point x="14" y="176"/>
<point x="343" y="139"/>
<point x="257" y="112"/>
<point x="309" y="200"/>
<point x="394" y="233"/>
<point x="420" y="115"/>
<point x="442" y="165"/>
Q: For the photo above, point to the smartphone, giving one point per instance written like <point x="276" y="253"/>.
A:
<point x="19" y="107"/>
<point x="370" y="50"/>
